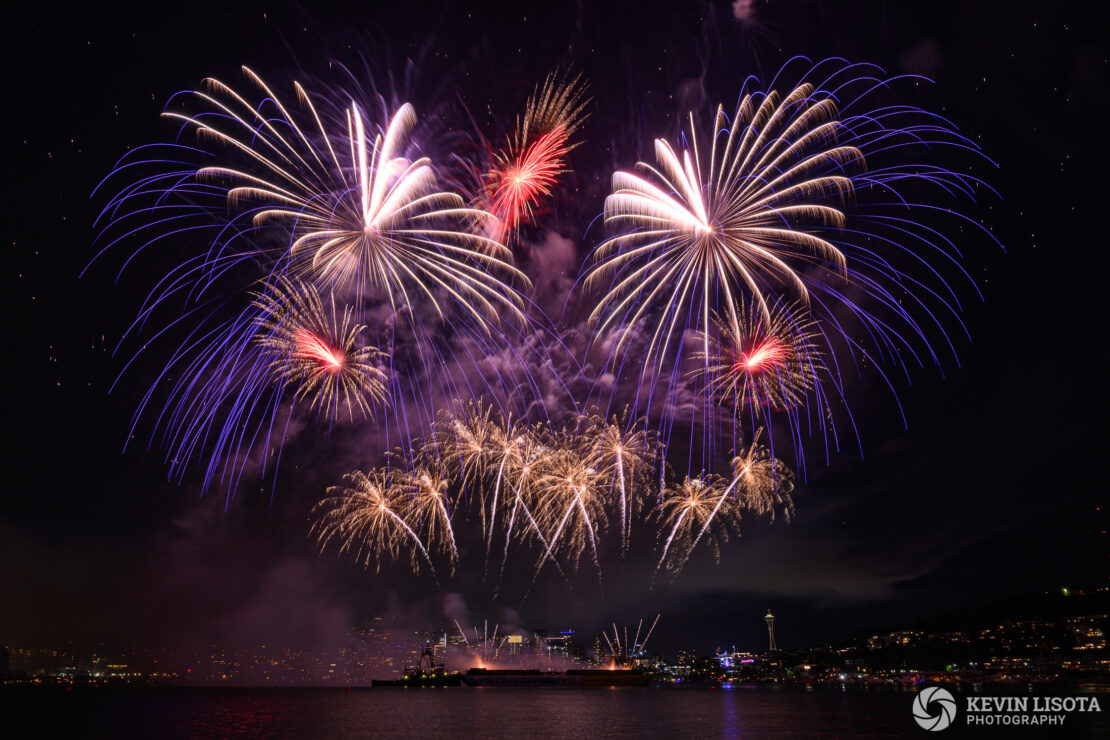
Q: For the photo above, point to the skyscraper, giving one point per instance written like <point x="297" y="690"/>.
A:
<point x="770" y="620"/>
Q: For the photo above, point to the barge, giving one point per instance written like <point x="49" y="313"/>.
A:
<point x="582" y="678"/>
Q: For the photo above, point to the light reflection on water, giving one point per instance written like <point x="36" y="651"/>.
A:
<point x="474" y="713"/>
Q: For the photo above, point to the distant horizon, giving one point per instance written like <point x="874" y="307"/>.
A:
<point x="1095" y="596"/>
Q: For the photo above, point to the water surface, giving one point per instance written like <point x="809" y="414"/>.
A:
<point x="485" y="713"/>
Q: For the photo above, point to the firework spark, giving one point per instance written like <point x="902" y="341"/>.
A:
<point x="464" y="441"/>
<point x="529" y="455"/>
<point x="426" y="488"/>
<point x="573" y="506"/>
<point x="745" y="234"/>
<point x="623" y="453"/>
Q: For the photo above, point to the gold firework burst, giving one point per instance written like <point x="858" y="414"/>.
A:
<point x="365" y="517"/>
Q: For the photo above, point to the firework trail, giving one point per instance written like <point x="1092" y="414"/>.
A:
<point x="486" y="646"/>
<point x="625" y="651"/>
<point x="651" y="629"/>
<point x="612" y="650"/>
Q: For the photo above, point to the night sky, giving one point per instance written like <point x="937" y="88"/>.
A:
<point x="994" y="489"/>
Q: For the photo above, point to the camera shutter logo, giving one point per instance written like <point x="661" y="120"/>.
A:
<point x="934" y="708"/>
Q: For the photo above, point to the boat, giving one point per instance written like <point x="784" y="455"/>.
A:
<point x="581" y="678"/>
<point x="427" y="673"/>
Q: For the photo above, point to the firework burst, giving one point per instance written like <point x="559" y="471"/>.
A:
<point x="760" y="484"/>
<point x="763" y="481"/>
<point x="693" y="229"/>
<point x="572" y="498"/>
<point x="689" y="510"/>
<point x="426" y="488"/>
<point x="529" y="455"/>
<point x="528" y="169"/>
<point x="360" y="214"/>
<point x="745" y="234"/>
<point x="464" y="441"/>
<point x="624" y="454"/>
<point x="767" y="362"/>
<point x="317" y="349"/>
<point x="365" y="517"/>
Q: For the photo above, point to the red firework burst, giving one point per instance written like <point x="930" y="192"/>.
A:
<point x="526" y="178"/>
<point x="763" y="360"/>
<point x="528" y="168"/>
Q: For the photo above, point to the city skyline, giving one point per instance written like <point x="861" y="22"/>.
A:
<point x="1010" y="639"/>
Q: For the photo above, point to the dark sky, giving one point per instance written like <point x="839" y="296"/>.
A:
<point x="993" y="490"/>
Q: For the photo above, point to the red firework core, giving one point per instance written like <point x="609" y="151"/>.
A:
<point x="314" y="348"/>
<point x="768" y="353"/>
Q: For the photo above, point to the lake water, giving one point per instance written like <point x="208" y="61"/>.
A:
<point x="486" y="713"/>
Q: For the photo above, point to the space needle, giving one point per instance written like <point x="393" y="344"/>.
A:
<point x="770" y="620"/>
